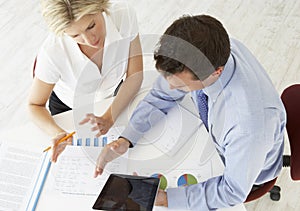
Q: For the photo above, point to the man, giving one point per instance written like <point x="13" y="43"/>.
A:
<point x="237" y="103"/>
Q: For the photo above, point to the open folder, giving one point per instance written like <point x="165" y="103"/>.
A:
<point x="29" y="180"/>
<point x="23" y="173"/>
<point x="24" y="170"/>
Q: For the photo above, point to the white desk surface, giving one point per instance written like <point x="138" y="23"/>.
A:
<point x="208" y="157"/>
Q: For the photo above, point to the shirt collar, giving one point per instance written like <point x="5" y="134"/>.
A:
<point x="112" y="33"/>
<point x="214" y="90"/>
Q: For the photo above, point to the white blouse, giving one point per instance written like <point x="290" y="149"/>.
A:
<point x="61" y="62"/>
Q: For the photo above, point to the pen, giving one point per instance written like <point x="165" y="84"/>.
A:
<point x="61" y="140"/>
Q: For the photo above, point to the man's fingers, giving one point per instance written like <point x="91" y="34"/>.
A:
<point x="115" y="147"/>
<point x="98" y="171"/>
<point x="119" y="147"/>
<point x="109" y="153"/>
<point x="101" y="163"/>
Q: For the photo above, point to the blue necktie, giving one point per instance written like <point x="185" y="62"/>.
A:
<point x="202" y="106"/>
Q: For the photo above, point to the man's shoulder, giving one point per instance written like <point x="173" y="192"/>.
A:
<point x="235" y="43"/>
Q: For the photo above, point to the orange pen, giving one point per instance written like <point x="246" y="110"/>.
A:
<point x="61" y="140"/>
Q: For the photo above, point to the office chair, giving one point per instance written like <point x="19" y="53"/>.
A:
<point x="291" y="100"/>
<point x="33" y="67"/>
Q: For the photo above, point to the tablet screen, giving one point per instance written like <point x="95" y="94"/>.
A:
<point x="127" y="192"/>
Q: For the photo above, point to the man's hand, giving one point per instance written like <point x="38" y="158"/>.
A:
<point x="161" y="198"/>
<point x="57" y="149"/>
<point x="101" y="124"/>
<point x="110" y="152"/>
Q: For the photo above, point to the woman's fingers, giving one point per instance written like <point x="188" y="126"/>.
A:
<point x="57" y="149"/>
<point x="88" y="118"/>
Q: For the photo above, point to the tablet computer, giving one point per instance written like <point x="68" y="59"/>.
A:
<point x="127" y="192"/>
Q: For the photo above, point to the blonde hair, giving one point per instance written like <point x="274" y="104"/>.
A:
<point x="59" y="14"/>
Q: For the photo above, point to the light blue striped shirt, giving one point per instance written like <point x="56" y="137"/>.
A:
<point x="246" y="121"/>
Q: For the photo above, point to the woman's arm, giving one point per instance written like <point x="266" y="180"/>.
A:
<point x="132" y="83"/>
<point x="38" y="97"/>
<point x="127" y="91"/>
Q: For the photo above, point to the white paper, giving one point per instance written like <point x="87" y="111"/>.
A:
<point x="20" y="169"/>
<point x="73" y="173"/>
<point x="171" y="133"/>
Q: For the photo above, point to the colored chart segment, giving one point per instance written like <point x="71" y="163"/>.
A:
<point x="90" y="142"/>
<point x="163" y="181"/>
<point x="186" y="179"/>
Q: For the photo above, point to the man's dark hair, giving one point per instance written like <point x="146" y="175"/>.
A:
<point x="199" y="43"/>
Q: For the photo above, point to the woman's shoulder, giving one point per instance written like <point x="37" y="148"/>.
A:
<point x="124" y="18"/>
<point x="53" y="41"/>
<point x="120" y="10"/>
<point x="119" y="6"/>
<point x="56" y="45"/>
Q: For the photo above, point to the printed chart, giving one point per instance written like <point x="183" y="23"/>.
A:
<point x="186" y="179"/>
<point x="163" y="180"/>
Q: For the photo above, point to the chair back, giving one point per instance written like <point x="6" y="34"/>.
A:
<point x="291" y="100"/>
<point x="259" y="192"/>
<point x="33" y="68"/>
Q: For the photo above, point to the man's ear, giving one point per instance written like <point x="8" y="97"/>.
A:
<point x="218" y="71"/>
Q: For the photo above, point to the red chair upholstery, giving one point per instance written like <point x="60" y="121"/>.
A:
<point x="33" y="68"/>
<point x="291" y="100"/>
<point x="262" y="190"/>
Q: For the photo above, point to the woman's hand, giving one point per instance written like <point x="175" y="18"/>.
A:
<point x="57" y="149"/>
<point x="109" y="153"/>
<point x="101" y="124"/>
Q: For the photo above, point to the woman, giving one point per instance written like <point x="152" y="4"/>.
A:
<point x="91" y="39"/>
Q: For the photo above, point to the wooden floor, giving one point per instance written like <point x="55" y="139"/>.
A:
<point x="270" y="28"/>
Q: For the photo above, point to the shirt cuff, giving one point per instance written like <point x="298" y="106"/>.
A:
<point x="131" y="135"/>
<point x="177" y="198"/>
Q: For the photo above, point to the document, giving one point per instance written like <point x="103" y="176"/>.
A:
<point x="73" y="173"/>
<point x="171" y="133"/>
<point x="25" y="171"/>
<point x="22" y="174"/>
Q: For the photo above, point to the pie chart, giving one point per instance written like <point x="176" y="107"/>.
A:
<point x="186" y="179"/>
<point x="163" y="181"/>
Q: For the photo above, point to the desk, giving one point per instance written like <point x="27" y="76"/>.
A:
<point x="144" y="159"/>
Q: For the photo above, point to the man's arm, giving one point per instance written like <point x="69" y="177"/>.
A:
<point x="250" y="156"/>
<point x="150" y="110"/>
